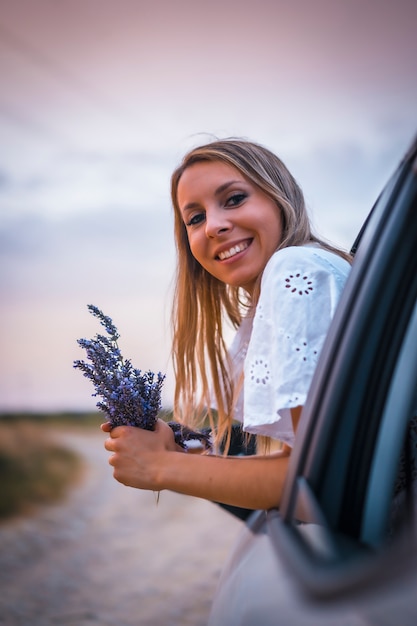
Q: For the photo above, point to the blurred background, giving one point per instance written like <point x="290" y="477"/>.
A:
<point x="100" y="99"/>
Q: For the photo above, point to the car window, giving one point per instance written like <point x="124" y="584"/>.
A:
<point x="393" y="470"/>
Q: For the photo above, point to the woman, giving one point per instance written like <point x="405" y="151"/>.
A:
<point x="246" y="255"/>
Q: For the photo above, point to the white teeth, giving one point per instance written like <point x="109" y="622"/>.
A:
<point x="234" y="250"/>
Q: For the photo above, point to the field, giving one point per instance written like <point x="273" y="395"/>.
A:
<point x="35" y="469"/>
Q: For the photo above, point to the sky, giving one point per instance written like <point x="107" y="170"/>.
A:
<point x="100" y="99"/>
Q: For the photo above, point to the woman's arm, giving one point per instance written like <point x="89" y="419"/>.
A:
<point x="252" y="482"/>
<point x="151" y="460"/>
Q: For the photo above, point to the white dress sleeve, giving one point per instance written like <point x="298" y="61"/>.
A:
<point x="300" y="289"/>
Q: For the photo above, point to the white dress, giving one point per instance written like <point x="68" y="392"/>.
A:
<point x="279" y="346"/>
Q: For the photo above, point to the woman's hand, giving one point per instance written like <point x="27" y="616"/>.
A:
<point x="138" y="454"/>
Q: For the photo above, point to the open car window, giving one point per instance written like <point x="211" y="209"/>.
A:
<point x="346" y="491"/>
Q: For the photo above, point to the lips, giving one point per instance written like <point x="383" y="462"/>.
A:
<point x="233" y="250"/>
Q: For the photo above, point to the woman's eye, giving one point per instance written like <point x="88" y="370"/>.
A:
<point x="236" y="199"/>
<point x="195" y="219"/>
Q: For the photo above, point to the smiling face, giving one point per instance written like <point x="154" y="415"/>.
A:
<point x="233" y="227"/>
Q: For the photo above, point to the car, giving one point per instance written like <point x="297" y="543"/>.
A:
<point x="342" y="547"/>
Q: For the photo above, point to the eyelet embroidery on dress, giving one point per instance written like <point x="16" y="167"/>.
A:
<point x="305" y="353"/>
<point x="292" y="401"/>
<point x="282" y="332"/>
<point x="260" y="311"/>
<point x="259" y="372"/>
<point x="297" y="283"/>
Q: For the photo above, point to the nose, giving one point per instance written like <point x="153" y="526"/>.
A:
<point x="217" y="222"/>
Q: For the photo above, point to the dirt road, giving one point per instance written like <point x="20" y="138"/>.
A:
<point x="109" y="555"/>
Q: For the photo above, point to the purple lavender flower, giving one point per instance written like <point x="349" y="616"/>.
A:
<point x="128" y="396"/>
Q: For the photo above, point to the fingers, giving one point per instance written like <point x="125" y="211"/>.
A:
<point x="120" y="438"/>
<point x="109" y="445"/>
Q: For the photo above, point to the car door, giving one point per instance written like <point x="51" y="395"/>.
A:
<point x="346" y="519"/>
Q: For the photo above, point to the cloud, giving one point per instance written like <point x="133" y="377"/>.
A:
<point x="4" y="180"/>
<point x="67" y="183"/>
<point x="342" y="180"/>
<point x="108" y="247"/>
<point x="118" y="260"/>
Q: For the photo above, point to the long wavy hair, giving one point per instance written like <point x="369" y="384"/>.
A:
<point x="202" y="303"/>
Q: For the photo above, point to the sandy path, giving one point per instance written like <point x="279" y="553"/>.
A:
<point x="110" y="555"/>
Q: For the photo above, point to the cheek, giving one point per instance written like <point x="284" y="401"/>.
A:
<point x="274" y="232"/>
<point x="196" y="247"/>
<point x="278" y="236"/>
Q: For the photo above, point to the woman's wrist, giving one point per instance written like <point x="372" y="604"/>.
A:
<point x="164" y="469"/>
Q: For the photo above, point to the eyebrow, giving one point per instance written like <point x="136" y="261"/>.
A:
<point x="218" y="192"/>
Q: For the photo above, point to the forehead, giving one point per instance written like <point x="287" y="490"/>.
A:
<point x="206" y="177"/>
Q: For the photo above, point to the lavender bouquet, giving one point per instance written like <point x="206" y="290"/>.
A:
<point x="128" y="396"/>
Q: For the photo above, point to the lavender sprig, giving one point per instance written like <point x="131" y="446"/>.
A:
<point x="128" y="396"/>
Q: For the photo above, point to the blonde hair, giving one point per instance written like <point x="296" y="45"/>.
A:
<point x="202" y="303"/>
